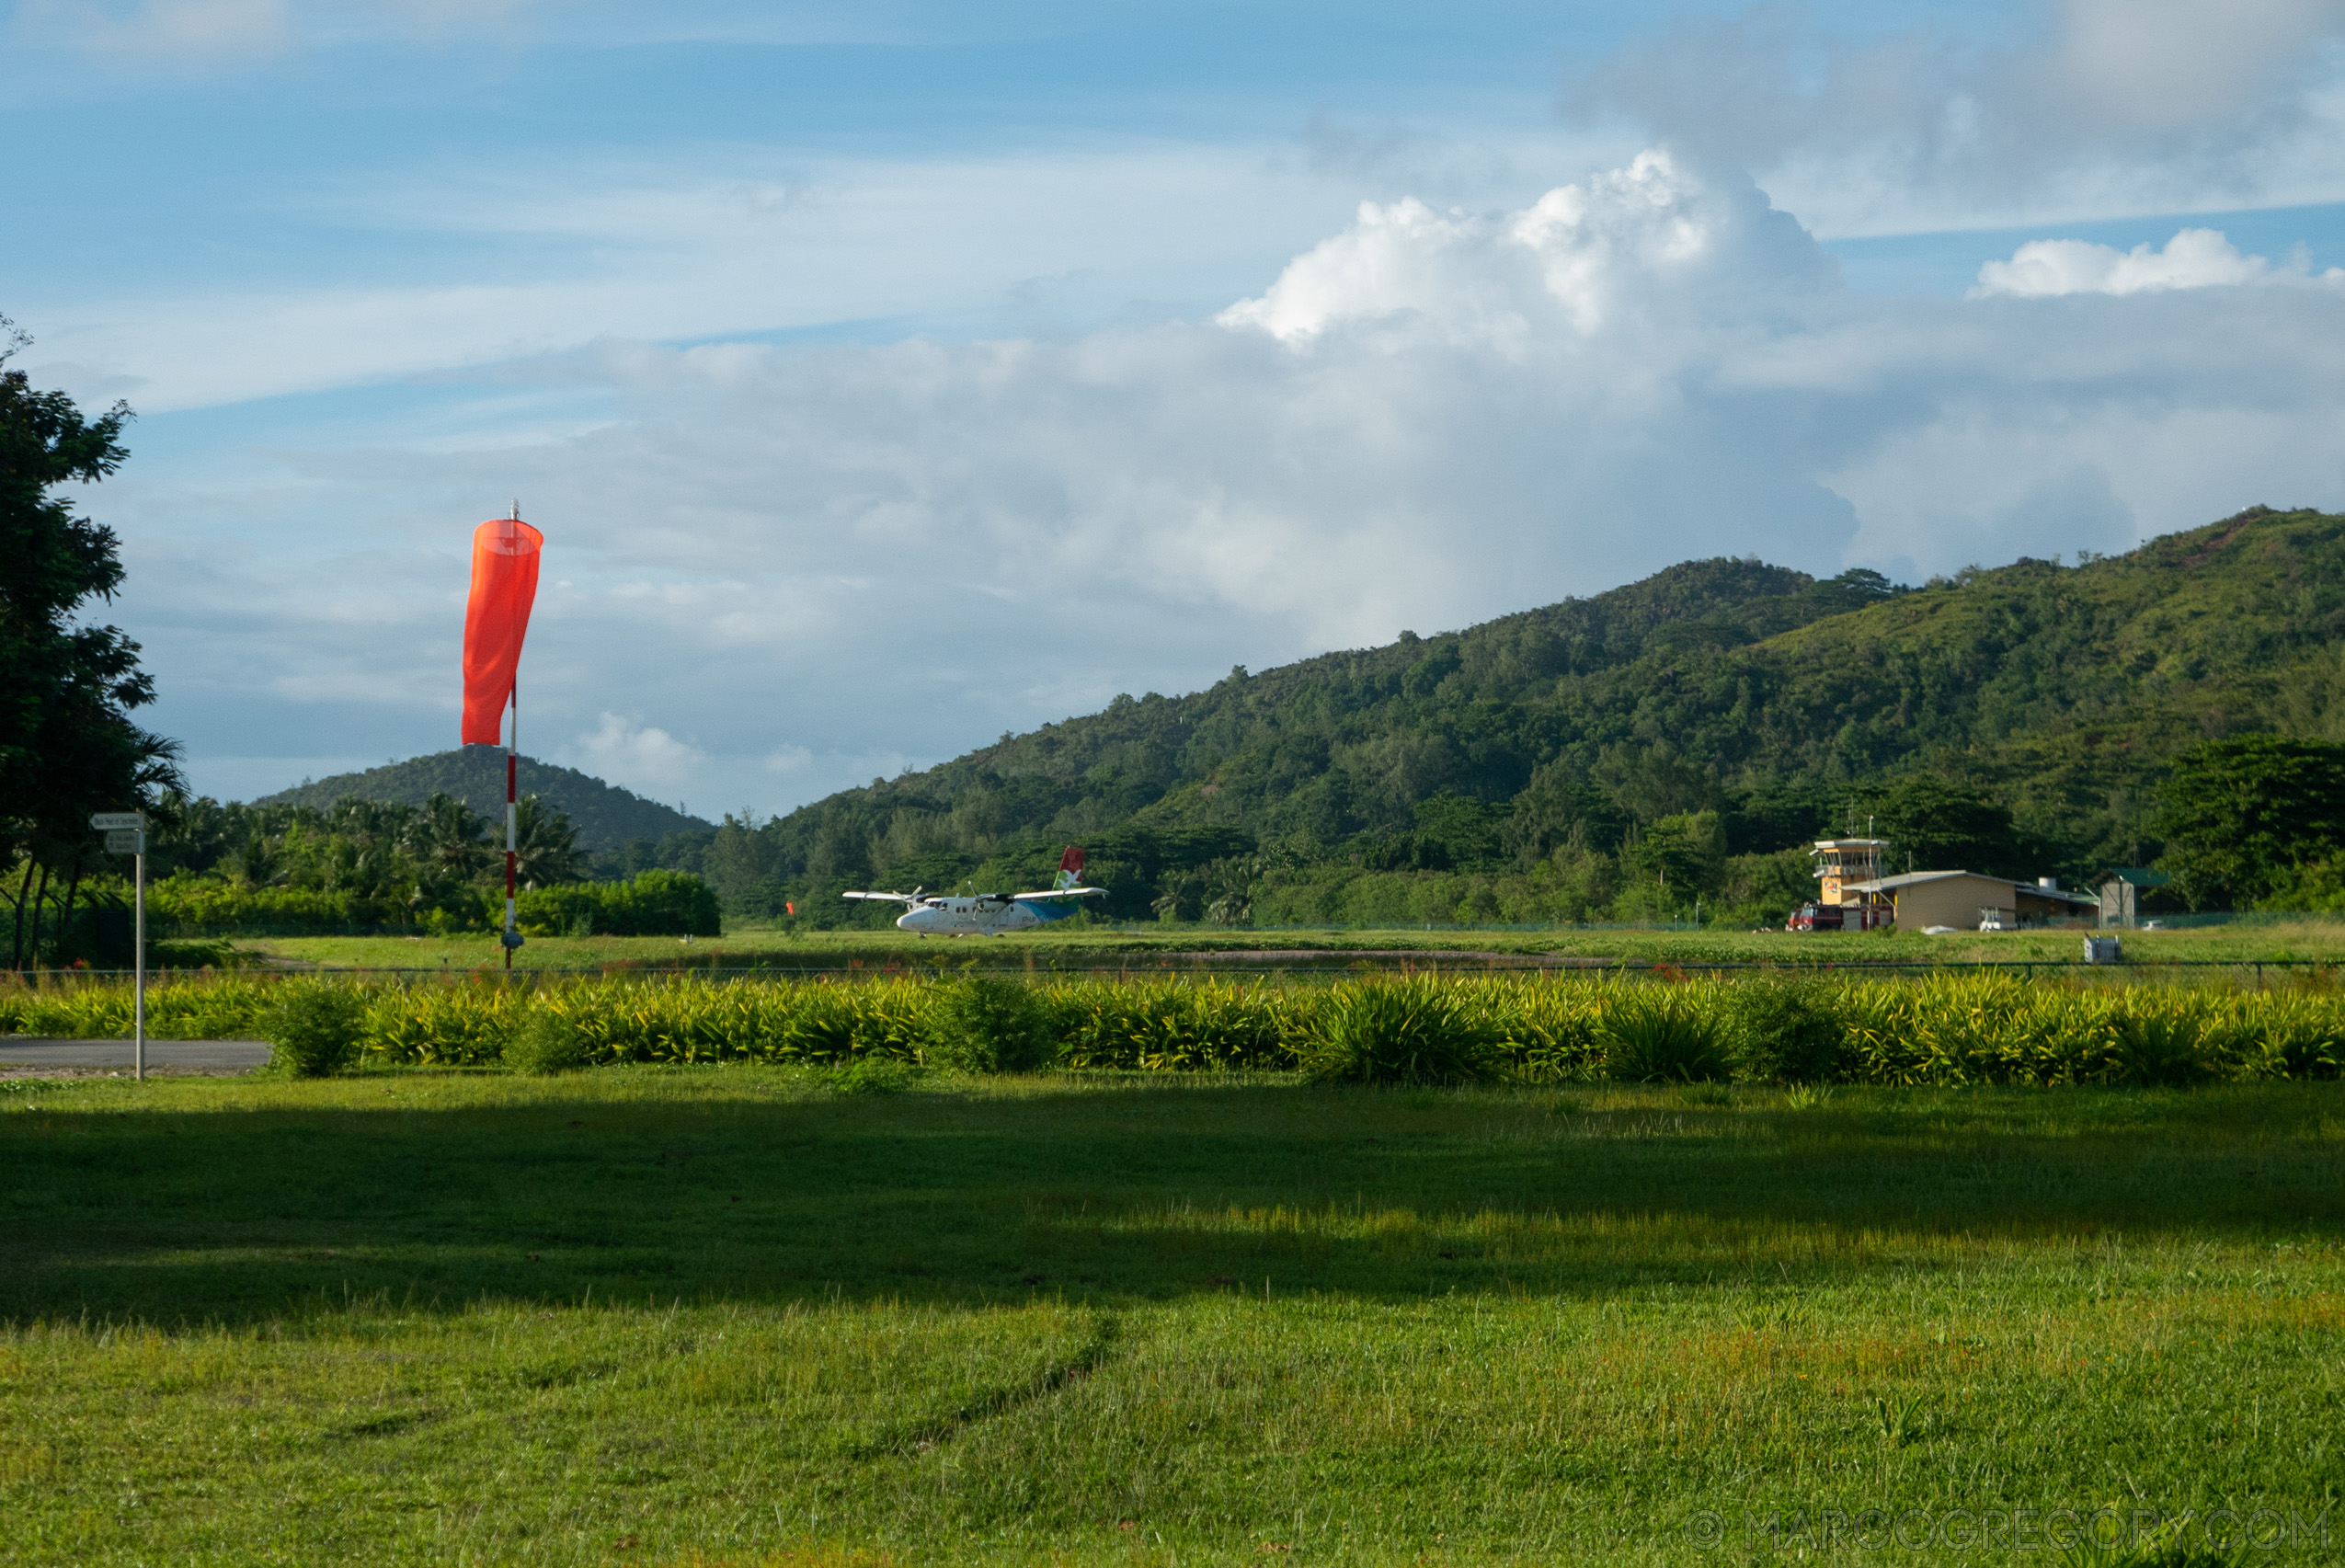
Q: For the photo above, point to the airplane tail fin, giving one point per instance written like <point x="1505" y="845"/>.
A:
<point x="1070" y="868"/>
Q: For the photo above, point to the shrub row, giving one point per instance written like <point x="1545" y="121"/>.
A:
<point x="652" y="903"/>
<point x="1941" y="1030"/>
<point x="202" y="906"/>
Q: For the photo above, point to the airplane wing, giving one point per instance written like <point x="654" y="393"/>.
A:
<point x="885" y="898"/>
<point x="1062" y="893"/>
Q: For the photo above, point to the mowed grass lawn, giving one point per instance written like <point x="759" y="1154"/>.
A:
<point x="733" y="1315"/>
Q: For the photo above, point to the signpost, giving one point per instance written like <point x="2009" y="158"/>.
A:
<point x="126" y="834"/>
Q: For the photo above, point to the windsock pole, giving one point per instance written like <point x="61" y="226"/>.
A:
<point x="505" y="562"/>
<point x="512" y="814"/>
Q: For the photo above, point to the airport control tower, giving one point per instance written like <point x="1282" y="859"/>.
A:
<point x="1840" y="864"/>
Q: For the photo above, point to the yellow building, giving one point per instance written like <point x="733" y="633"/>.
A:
<point x="1966" y="900"/>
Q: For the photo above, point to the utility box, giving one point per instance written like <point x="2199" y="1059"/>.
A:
<point x="2103" y="950"/>
<point x="2121" y="895"/>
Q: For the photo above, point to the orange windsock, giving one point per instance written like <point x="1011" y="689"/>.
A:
<point x="504" y="551"/>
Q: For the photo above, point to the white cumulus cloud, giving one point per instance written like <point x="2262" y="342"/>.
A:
<point x="646" y="759"/>
<point x="2194" y="258"/>
<point x="1575" y="258"/>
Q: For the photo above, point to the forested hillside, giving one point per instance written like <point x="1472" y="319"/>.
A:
<point x="605" y="816"/>
<point x="1624" y="754"/>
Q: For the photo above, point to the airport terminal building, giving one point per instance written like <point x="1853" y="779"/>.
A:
<point x="1965" y="900"/>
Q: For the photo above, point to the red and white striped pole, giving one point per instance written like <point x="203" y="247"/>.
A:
<point x="512" y="816"/>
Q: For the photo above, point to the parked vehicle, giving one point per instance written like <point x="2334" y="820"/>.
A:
<point x="1815" y="917"/>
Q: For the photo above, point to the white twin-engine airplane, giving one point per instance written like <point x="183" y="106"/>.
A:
<point x="991" y="914"/>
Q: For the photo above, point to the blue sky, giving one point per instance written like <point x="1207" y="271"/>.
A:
<point x="886" y="378"/>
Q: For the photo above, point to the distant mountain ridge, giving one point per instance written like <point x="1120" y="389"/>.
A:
<point x="1761" y="693"/>
<point x="605" y="815"/>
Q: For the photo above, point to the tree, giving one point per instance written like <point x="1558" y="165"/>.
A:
<point x="738" y="860"/>
<point x="1454" y="832"/>
<point x="1560" y="805"/>
<point x="67" y="744"/>
<point x="445" y="840"/>
<point x="2240" y="816"/>
<point x="1685" y="854"/>
<point x="1655" y="780"/>
<point x="545" y="844"/>
<point x="1937" y="824"/>
<point x="1781" y="813"/>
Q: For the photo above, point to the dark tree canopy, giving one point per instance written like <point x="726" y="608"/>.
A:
<point x="67" y="744"/>
<point x="2242" y="816"/>
<point x="1941" y="824"/>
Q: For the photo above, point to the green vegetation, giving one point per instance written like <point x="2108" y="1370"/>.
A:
<point x="545" y="1042"/>
<point x="1621" y="756"/>
<point x="314" y="1027"/>
<point x="608" y="817"/>
<point x="2259" y="818"/>
<point x="1937" y="1029"/>
<point x="1417" y="1030"/>
<point x="437" y="868"/>
<point x="979" y="1024"/>
<point x="650" y="903"/>
<point x="740" y="1316"/>
<point x="357" y="865"/>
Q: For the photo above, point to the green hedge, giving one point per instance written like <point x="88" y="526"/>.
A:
<point x="1942" y="1030"/>
<point x="655" y="903"/>
<point x="199" y="905"/>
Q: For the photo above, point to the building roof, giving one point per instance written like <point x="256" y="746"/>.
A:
<point x="1911" y="878"/>
<point x="1891" y="884"/>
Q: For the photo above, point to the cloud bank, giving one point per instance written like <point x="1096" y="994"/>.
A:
<point x="774" y="571"/>
<point x="2086" y="108"/>
<point x="2194" y="258"/>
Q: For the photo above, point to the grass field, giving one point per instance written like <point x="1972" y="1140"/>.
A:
<point x="738" y="1315"/>
<point x="1080" y="948"/>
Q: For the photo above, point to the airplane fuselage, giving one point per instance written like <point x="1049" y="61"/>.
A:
<point x="976" y="917"/>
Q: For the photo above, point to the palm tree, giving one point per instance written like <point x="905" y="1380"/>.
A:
<point x="547" y="845"/>
<point x="445" y="839"/>
<point x="254" y="862"/>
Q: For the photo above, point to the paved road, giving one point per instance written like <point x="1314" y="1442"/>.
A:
<point x="212" y="1054"/>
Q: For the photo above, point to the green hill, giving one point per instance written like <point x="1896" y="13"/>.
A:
<point x="605" y="816"/>
<point x="1719" y="711"/>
